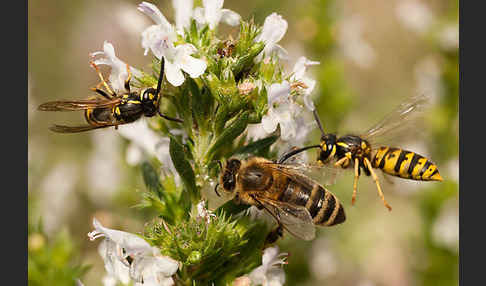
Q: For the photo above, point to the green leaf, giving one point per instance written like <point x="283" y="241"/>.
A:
<point x="183" y="167"/>
<point x="151" y="179"/>
<point x="245" y="62"/>
<point x="257" y="146"/>
<point x="235" y="129"/>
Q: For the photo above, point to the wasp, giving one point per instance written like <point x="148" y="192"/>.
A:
<point x="111" y="109"/>
<point x="296" y="201"/>
<point x="364" y="152"/>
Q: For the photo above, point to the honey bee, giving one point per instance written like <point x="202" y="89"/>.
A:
<point x="297" y="202"/>
<point x="366" y="152"/>
<point x="113" y="109"/>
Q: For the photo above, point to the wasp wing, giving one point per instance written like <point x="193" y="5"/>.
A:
<point x="295" y="219"/>
<point x="72" y="105"/>
<point x="398" y="123"/>
<point x="77" y="129"/>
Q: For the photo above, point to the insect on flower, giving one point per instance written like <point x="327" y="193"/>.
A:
<point x="297" y="202"/>
<point x="367" y="152"/>
<point x="113" y="109"/>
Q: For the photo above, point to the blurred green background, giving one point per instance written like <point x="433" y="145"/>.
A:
<point x="373" y="54"/>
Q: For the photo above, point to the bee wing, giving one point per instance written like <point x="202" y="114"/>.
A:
<point x="77" y="129"/>
<point x="295" y="219"/>
<point x="72" y="105"/>
<point x="398" y="123"/>
<point x="325" y="174"/>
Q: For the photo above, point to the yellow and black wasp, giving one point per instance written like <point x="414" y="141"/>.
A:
<point x="366" y="152"/>
<point x="112" y="109"/>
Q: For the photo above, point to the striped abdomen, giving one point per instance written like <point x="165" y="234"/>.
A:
<point x="405" y="164"/>
<point x="324" y="208"/>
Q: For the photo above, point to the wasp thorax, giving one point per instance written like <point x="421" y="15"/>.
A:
<point x="328" y="147"/>
<point x="150" y="102"/>
<point x="228" y="179"/>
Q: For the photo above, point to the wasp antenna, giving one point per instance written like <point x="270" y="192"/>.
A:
<point x="295" y="152"/>
<point x="161" y="76"/>
<point x="316" y="117"/>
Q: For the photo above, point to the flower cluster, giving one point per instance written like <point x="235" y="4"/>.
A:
<point x="234" y="98"/>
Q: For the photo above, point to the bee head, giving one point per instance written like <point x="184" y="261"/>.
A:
<point x="328" y="147"/>
<point x="150" y="102"/>
<point x="228" y="176"/>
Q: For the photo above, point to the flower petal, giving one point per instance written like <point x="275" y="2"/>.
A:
<point x="278" y="92"/>
<point x="110" y="253"/>
<point x="230" y="17"/>
<point x="273" y="30"/>
<point x="173" y="73"/>
<point x="183" y="13"/>
<point x="194" y="67"/>
<point x="153" y="12"/>
<point x="153" y="270"/>
<point x="269" y="122"/>
<point x="132" y="243"/>
<point x="300" y="67"/>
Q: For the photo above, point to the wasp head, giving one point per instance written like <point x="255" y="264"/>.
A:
<point x="150" y="102"/>
<point x="328" y="147"/>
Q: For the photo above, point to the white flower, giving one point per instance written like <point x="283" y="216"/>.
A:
<point x="156" y="36"/>
<point x="414" y="15"/>
<point x="179" y="59"/>
<point x="212" y="14"/>
<point x="203" y="213"/>
<point x="353" y="45"/>
<point x="281" y="110"/>
<point x="299" y="70"/>
<point x="270" y="273"/>
<point x="153" y="270"/>
<point x="145" y="140"/>
<point x="160" y="40"/>
<point x="145" y="265"/>
<point x="183" y="14"/>
<point x="119" y="71"/>
<point x="273" y="30"/>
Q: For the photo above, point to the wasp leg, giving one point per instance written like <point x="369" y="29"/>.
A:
<point x="342" y="162"/>
<point x="356" y="177"/>
<point x="375" y="178"/>
<point x="112" y="93"/>
<point x="273" y="236"/>
<point x="127" y="81"/>
<point x="103" y="93"/>
<point x="170" y="118"/>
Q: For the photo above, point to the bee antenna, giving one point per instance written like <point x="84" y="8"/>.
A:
<point x="216" y="189"/>
<point x="316" y="117"/>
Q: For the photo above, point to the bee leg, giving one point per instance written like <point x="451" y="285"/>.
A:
<point x="375" y="178"/>
<point x="112" y="93"/>
<point x="127" y="81"/>
<point x="356" y="177"/>
<point x="273" y="236"/>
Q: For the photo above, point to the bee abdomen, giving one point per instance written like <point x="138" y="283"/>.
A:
<point x="405" y="164"/>
<point x="325" y="208"/>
